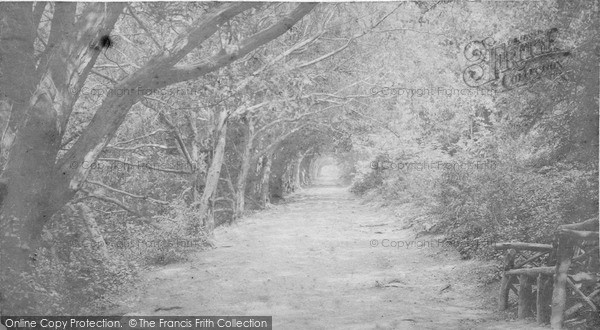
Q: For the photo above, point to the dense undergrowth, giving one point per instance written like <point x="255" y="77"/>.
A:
<point x="474" y="207"/>
<point x="78" y="275"/>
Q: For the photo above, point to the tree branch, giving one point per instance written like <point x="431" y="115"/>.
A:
<point x="104" y="76"/>
<point x="127" y="193"/>
<point x="280" y="120"/>
<point x="158" y="146"/>
<point x="203" y="28"/>
<point x="111" y="200"/>
<point x="183" y="73"/>
<point x="297" y="46"/>
<point x="145" y="166"/>
<point x="38" y="11"/>
<point x="144" y="27"/>
<point x="276" y="143"/>
<point x="59" y="29"/>
<point x="174" y="130"/>
<point x="140" y="137"/>
<point x="326" y="56"/>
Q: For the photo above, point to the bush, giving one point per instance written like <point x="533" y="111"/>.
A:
<point x="73" y="277"/>
<point x="474" y="207"/>
<point x="513" y="204"/>
<point x="368" y="182"/>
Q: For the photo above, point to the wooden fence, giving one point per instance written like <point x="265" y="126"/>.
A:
<point x="546" y="275"/>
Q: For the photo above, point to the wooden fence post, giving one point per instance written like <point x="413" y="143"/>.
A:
<point x="509" y="261"/>
<point x="564" y="254"/>
<point x="525" y="296"/>
<point x="544" y="298"/>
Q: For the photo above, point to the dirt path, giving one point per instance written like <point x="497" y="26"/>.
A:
<point x="310" y="264"/>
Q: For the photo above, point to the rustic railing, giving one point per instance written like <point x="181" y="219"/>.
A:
<point x="551" y="268"/>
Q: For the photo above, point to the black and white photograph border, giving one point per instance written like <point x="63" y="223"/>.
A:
<point x="299" y="165"/>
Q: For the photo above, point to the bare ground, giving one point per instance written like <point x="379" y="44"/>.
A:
<point x="309" y="263"/>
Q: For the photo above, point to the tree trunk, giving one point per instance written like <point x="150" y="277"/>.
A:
<point x="303" y="177"/>
<point x="244" y="169"/>
<point x="313" y="168"/>
<point x="40" y="101"/>
<point x="17" y="65"/>
<point x="92" y="230"/>
<point x="264" y="184"/>
<point x="26" y="207"/>
<point x="305" y="170"/>
<point x="194" y="154"/>
<point x="212" y="177"/>
<point x="304" y="166"/>
<point x="297" y="164"/>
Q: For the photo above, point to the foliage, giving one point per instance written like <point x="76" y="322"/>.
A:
<point x="537" y="166"/>
<point x="358" y="83"/>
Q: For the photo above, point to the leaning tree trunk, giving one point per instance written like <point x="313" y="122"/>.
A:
<point x="25" y="208"/>
<point x="214" y="172"/>
<point x="40" y="101"/>
<point x="92" y="230"/>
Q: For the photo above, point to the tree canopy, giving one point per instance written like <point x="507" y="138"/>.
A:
<point x="167" y="119"/>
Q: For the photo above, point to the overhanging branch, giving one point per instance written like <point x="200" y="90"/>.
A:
<point x="183" y="73"/>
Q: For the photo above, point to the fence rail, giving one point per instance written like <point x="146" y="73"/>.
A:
<point x="545" y="273"/>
